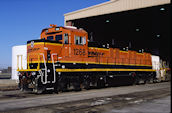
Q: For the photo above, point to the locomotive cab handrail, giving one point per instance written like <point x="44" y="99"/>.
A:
<point x="54" y="70"/>
<point x="28" y="62"/>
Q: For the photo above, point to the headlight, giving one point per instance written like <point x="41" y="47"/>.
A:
<point x="101" y="78"/>
<point x="63" y="66"/>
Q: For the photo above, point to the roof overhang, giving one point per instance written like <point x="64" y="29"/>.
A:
<point x="113" y="6"/>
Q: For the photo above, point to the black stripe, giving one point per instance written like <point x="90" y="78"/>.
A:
<point x="89" y="66"/>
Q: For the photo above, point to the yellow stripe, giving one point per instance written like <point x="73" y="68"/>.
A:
<point x="99" y="48"/>
<point x="47" y="43"/>
<point x="40" y="62"/>
<point x="101" y="69"/>
<point x="22" y="70"/>
<point x="88" y="70"/>
<point x="140" y="53"/>
<point x="54" y="44"/>
<point x="124" y="51"/>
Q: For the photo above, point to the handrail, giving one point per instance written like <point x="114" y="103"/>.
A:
<point x="45" y="70"/>
<point x="28" y="60"/>
<point x="38" y="67"/>
<point x="54" y="70"/>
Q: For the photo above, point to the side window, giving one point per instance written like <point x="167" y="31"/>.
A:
<point x="77" y="40"/>
<point x="66" y="38"/>
<point x="80" y="40"/>
<point x="58" y="37"/>
<point x="84" y="40"/>
<point x="50" y="38"/>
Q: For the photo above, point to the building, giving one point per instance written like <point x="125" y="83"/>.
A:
<point x="137" y="24"/>
<point x="19" y="59"/>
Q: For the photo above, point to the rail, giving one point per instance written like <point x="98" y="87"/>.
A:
<point x="39" y="60"/>
<point x="54" y="70"/>
<point x="20" y="64"/>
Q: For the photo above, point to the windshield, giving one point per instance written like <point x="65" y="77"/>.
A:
<point x="58" y="37"/>
<point x="50" y="38"/>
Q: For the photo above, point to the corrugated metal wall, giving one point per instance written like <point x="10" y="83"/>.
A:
<point x="112" y="7"/>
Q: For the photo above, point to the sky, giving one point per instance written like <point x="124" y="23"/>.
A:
<point x="23" y="20"/>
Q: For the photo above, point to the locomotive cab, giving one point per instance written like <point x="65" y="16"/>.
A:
<point x="59" y="41"/>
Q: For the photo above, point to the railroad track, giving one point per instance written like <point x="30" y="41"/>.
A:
<point x="13" y="92"/>
<point x="78" y="101"/>
<point x="95" y="105"/>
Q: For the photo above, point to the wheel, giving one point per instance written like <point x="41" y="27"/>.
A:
<point x="146" y="81"/>
<point x="77" y="86"/>
<point x="63" y="87"/>
<point x="56" y="89"/>
<point x="100" y="83"/>
<point x="62" y="84"/>
<point x="136" y="81"/>
<point x="39" y="90"/>
<point x="86" y="84"/>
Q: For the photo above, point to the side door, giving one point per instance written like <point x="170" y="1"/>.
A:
<point x="66" y="45"/>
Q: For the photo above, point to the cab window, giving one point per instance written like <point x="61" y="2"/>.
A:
<point x="50" y="38"/>
<point x="80" y="40"/>
<point x="66" y="38"/>
<point x="58" y="37"/>
<point x="84" y="40"/>
<point x="77" y="40"/>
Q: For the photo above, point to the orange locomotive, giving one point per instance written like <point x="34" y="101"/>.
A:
<point x="64" y="58"/>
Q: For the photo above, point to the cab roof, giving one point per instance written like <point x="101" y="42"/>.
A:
<point x="71" y="28"/>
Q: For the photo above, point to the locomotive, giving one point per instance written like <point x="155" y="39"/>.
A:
<point x="63" y="58"/>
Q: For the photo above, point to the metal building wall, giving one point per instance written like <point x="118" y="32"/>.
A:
<point x="112" y="7"/>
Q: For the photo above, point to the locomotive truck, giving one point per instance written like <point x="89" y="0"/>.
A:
<point x="63" y="58"/>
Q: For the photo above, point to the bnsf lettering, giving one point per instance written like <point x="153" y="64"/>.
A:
<point x="34" y="49"/>
<point x="79" y="51"/>
<point x="94" y="54"/>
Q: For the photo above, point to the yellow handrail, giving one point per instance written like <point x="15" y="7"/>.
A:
<point x="38" y="67"/>
<point x="39" y="60"/>
<point x="28" y="61"/>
